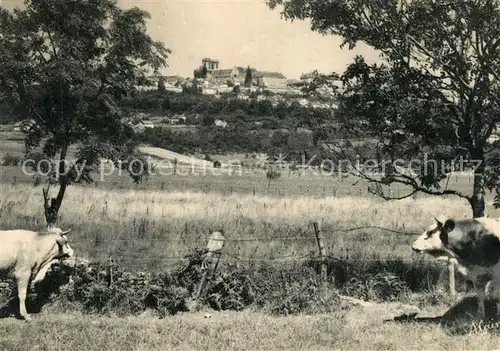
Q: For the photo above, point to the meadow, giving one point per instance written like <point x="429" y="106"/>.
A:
<point x="155" y="223"/>
<point x="247" y="330"/>
<point x="158" y="226"/>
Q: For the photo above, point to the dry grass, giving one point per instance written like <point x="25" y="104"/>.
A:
<point x="169" y="224"/>
<point x="147" y="227"/>
<point x="230" y="331"/>
<point x="143" y="228"/>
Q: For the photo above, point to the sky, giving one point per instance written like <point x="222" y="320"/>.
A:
<point x="239" y="33"/>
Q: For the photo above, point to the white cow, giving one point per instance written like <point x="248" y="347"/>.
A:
<point x="473" y="245"/>
<point x="27" y="255"/>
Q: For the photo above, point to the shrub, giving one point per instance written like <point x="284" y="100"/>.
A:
<point x="283" y="289"/>
<point x="292" y="290"/>
<point x="107" y="288"/>
<point x="11" y="160"/>
<point x="380" y="280"/>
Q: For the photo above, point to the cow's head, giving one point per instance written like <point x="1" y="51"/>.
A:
<point x="65" y="251"/>
<point x="434" y="240"/>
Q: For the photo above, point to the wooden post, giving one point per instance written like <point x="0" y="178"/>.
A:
<point x="322" y="250"/>
<point x="110" y="271"/>
<point x="210" y="262"/>
<point x="451" y="272"/>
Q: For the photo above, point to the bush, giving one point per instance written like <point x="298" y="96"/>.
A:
<point x="11" y="160"/>
<point x="381" y="280"/>
<point x="284" y="289"/>
<point x="292" y="290"/>
<point x="107" y="288"/>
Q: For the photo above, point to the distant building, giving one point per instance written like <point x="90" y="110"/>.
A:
<point x="308" y="77"/>
<point x="237" y="75"/>
<point x="294" y="83"/>
<point x="24" y="126"/>
<point x="209" y="91"/>
<point x="271" y="80"/>
<point x="174" y="81"/>
<point x="148" y="124"/>
<point x="143" y="125"/>
<point x="177" y="120"/>
<point x="222" y="76"/>
<point x="303" y="102"/>
<point x="220" y="123"/>
<point x="210" y="64"/>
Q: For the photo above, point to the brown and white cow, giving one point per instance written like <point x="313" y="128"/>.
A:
<point x="27" y="255"/>
<point x="473" y="245"/>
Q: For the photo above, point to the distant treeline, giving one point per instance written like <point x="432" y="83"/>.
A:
<point x="169" y="103"/>
<point x="253" y="126"/>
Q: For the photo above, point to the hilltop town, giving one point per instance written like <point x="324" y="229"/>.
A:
<point x="266" y="85"/>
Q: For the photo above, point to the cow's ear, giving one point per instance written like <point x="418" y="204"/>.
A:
<point x="449" y="225"/>
<point x="443" y="236"/>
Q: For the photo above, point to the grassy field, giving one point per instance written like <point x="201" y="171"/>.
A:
<point x="357" y="330"/>
<point x="153" y="226"/>
<point x="236" y="181"/>
<point x="161" y="223"/>
<point x="206" y="179"/>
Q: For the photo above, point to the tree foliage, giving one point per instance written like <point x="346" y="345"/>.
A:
<point x="436" y="95"/>
<point x="248" y="77"/>
<point x="161" y="85"/>
<point x="65" y="65"/>
<point x="200" y="72"/>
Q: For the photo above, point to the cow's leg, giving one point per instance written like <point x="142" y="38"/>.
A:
<point x="480" y="287"/>
<point x="496" y="294"/>
<point x="41" y="273"/>
<point x="22" y="290"/>
<point x="495" y="284"/>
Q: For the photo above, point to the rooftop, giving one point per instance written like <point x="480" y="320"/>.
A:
<point x="209" y="59"/>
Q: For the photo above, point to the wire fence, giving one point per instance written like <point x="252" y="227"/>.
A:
<point x="293" y="257"/>
<point x="317" y="256"/>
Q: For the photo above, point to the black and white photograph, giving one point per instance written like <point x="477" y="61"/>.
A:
<point x="249" y="175"/>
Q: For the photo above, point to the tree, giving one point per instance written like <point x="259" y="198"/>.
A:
<point x="248" y="77"/>
<point x="271" y="174"/>
<point x="161" y="85"/>
<point x="435" y="97"/>
<point x="65" y="66"/>
<point x="192" y="88"/>
<point x="207" y="121"/>
<point x="200" y="72"/>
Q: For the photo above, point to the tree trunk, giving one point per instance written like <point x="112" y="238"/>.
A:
<point x="477" y="199"/>
<point x="52" y="209"/>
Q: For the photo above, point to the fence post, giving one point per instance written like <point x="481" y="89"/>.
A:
<point x="322" y="250"/>
<point x="110" y="271"/>
<point x="451" y="272"/>
<point x="210" y="262"/>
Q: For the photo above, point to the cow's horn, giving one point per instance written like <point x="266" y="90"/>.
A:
<point x="438" y="221"/>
